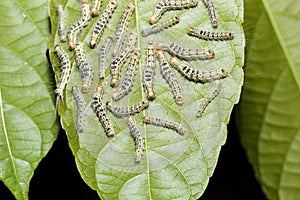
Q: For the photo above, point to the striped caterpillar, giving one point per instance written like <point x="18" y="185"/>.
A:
<point x="100" y="111"/>
<point x="103" y="56"/>
<point x="164" y="123"/>
<point x="197" y="75"/>
<point x="138" y="139"/>
<point x="84" y="67"/>
<point x="186" y="53"/>
<point x="161" y="26"/>
<point x="166" y="5"/>
<point x="207" y="35"/>
<point x="148" y="73"/>
<point x="102" y="21"/>
<point x="128" y="110"/>
<point x="80" y="108"/>
<point x="127" y="14"/>
<point x="170" y="77"/>
<point x="96" y="4"/>
<point x="212" y="12"/>
<point x="127" y="83"/>
<point x="61" y="23"/>
<point x="212" y="95"/>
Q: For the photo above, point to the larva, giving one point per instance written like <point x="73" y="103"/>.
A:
<point x="207" y="35"/>
<point x="126" y="16"/>
<point x="96" y="4"/>
<point x="80" y="108"/>
<point x="164" y="123"/>
<point x="212" y="12"/>
<point x="186" y="53"/>
<point x="197" y="75"/>
<point x="84" y="67"/>
<point x="212" y="95"/>
<point x="61" y="23"/>
<point x="101" y="22"/>
<point x="100" y="111"/>
<point x="138" y="139"/>
<point x="103" y="57"/>
<point x="119" y="60"/>
<point x="128" y="110"/>
<point x="148" y="73"/>
<point x="166" y="5"/>
<point x="65" y="66"/>
<point x="170" y="77"/>
<point x="77" y="26"/>
<point x="161" y="26"/>
<point x="127" y="83"/>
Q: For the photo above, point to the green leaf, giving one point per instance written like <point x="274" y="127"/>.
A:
<point x="28" y="123"/>
<point x="269" y="110"/>
<point x="173" y="166"/>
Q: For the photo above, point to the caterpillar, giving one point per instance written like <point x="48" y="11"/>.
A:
<point x="138" y="139"/>
<point x="166" y="5"/>
<point x="78" y="25"/>
<point x="127" y="83"/>
<point x="207" y="35"/>
<point x="212" y="12"/>
<point x="84" y="67"/>
<point x="80" y="108"/>
<point x="101" y="22"/>
<point x="164" y="123"/>
<point x="119" y="60"/>
<point x="120" y="111"/>
<point x="197" y="75"/>
<point x="170" y="77"/>
<point x="65" y="66"/>
<point x="127" y="14"/>
<point x="100" y="111"/>
<point x="212" y="95"/>
<point x="159" y="27"/>
<point x="103" y="56"/>
<point x="61" y="23"/>
<point x="96" y="4"/>
<point x="148" y="73"/>
<point x="186" y="53"/>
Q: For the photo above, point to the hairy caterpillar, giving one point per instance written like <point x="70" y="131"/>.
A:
<point x="186" y="53"/>
<point x="127" y="14"/>
<point x="61" y="23"/>
<point x="100" y="111"/>
<point x="138" y="139"/>
<point x="96" y="4"/>
<point x="102" y="21"/>
<point x="128" y="110"/>
<point x="212" y="95"/>
<point x="207" y="35"/>
<point x="148" y="73"/>
<point x="161" y="26"/>
<point x="119" y="60"/>
<point x="80" y="108"/>
<point x="166" y="5"/>
<point x="197" y="75"/>
<point x="103" y="56"/>
<point x="84" y="67"/>
<point x="212" y="12"/>
<point x="170" y="77"/>
<point x="164" y="123"/>
<point x="126" y="85"/>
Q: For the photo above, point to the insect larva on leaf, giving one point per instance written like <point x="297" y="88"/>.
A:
<point x="121" y="111"/>
<point x="101" y="22"/>
<point x="103" y="57"/>
<point x="212" y="12"/>
<point x="160" y="27"/>
<point x="100" y="111"/>
<point x="61" y="23"/>
<point x="214" y="91"/>
<point x="170" y="77"/>
<point x="166" y="5"/>
<point x="208" y="35"/>
<point x="197" y="75"/>
<point x="96" y="4"/>
<point x="79" y="100"/>
<point x="164" y="123"/>
<point x="137" y="136"/>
